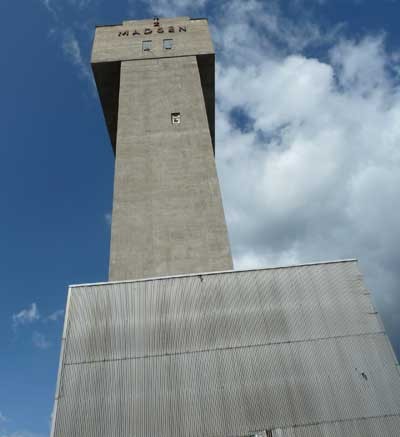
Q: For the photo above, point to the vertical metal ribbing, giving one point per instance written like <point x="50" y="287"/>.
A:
<point x="276" y="385"/>
<point x="224" y="354"/>
<point x="192" y="313"/>
<point x="365" y="427"/>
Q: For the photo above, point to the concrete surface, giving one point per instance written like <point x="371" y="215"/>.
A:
<point x="167" y="209"/>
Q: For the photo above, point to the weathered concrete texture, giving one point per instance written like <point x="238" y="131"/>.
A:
<point x="113" y="44"/>
<point x="108" y="46"/>
<point x="167" y="212"/>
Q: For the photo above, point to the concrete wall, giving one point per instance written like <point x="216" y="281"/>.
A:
<point x="108" y="46"/>
<point x="167" y="212"/>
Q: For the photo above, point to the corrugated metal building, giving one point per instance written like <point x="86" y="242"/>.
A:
<point x="294" y="351"/>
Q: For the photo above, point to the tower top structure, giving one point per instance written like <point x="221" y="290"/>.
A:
<point x="127" y="42"/>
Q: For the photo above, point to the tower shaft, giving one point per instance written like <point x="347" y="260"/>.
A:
<point x="167" y="209"/>
<point x="167" y="212"/>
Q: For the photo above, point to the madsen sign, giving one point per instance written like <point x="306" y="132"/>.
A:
<point x="157" y="28"/>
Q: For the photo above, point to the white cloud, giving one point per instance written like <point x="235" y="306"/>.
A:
<point x="74" y="36"/>
<point x="361" y="65"/>
<point x="30" y="315"/>
<point x="3" y="418"/>
<point x="309" y="138"/>
<point x="39" y="340"/>
<point x="56" y="315"/>
<point x="72" y="50"/>
<point x="26" y="316"/>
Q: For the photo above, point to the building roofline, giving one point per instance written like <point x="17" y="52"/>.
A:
<point x="187" y="275"/>
<point x="149" y="19"/>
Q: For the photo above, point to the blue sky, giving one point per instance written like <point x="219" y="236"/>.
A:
<point x="308" y="154"/>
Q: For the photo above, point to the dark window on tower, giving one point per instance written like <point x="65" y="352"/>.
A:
<point x="168" y="44"/>
<point x="176" y="118"/>
<point x="146" y="46"/>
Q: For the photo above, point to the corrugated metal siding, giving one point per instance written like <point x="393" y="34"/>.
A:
<point x="224" y="354"/>
<point x="228" y="392"/>
<point x="371" y="427"/>
<point x="169" y="316"/>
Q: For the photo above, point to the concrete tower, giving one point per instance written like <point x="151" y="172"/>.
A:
<point x="173" y="346"/>
<point x="156" y="84"/>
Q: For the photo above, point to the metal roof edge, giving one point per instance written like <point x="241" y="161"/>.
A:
<point x="186" y="275"/>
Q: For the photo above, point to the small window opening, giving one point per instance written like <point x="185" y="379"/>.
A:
<point x="168" y="44"/>
<point x="146" y="46"/>
<point x="176" y="118"/>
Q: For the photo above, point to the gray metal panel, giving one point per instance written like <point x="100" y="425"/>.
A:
<point x="174" y="315"/>
<point x="230" y="391"/>
<point x="226" y="353"/>
<point x="370" y="427"/>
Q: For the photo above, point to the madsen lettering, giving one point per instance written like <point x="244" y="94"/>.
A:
<point x="157" y="28"/>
